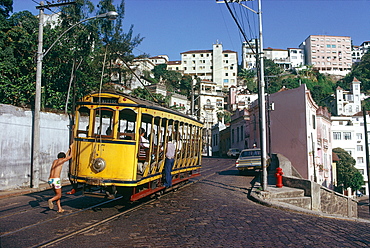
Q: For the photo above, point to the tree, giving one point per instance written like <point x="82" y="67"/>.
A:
<point x="226" y="115"/>
<point x="347" y="174"/>
<point x="361" y="71"/>
<point x="6" y="6"/>
<point x="144" y="94"/>
<point x="79" y="56"/>
<point x="249" y="79"/>
<point x="18" y="36"/>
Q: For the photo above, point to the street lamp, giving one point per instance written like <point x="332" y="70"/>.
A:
<point x="35" y="167"/>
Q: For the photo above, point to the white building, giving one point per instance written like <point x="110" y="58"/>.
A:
<point x="278" y="56"/>
<point x="359" y="51"/>
<point x="248" y="55"/>
<point x="348" y="134"/>
<point x="179" y="103"/>
<point x="296" y="57"/>
<point x="286" y="59"/>
<point x="217" y="65"/>
<point x="348" y="102"/>
<point x="209" y="101"/>
<point x="160" y="59"/>
<point x="348" y="125"/>
<point x="240" y="98"/>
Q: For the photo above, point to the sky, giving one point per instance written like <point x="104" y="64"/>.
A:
<point x="170" y="27"/>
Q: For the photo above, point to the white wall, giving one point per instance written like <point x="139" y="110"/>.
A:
<point x="15" y="145"/>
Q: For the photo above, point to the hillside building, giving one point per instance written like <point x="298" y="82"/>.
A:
<point x="286" y="59"/>
<point x="328" y="54"/>
<point x="359" y="51"/>
<point x="348" y="125"/>
<point x="240" y="98"/>
<point x="217" y="65"/>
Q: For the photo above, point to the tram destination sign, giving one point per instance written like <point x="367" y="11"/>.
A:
<point x="106" y="100"/>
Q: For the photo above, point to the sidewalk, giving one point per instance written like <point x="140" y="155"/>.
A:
<point x="28" y="190"/>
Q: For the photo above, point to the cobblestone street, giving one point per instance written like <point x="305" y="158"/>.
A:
<point x="215" y="212"/>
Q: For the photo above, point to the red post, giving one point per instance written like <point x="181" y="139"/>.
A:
<point x="279" y="177"/>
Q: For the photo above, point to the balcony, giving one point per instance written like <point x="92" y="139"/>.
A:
<point x="209" y="107"/>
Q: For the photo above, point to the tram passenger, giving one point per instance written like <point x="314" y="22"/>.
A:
<point x="54" y="178"/>
<point x="169" y="162"/>
<point x="143" y="150"/>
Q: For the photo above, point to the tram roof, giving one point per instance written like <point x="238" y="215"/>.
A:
<point x="144" y="103"/>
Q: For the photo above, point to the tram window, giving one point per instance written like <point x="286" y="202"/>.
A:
<point x="126" y="124"/>
<point x="103" y="123"/>
<point x="83" y="122"/>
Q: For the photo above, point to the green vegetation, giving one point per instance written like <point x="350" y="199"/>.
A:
<point x="92" y="49"/>
<point x="347" y="175"/>
<point x="77" y="58"/>
<point x="321" y="86"/>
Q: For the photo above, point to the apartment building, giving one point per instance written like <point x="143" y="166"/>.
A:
<point x="249" y="55"/>
<point x="328" y="54"/>
<point x="285" y="58"/>
<point x="278" y="56"/>
<point x="348" y="102"/>
<point x="359" y="51"/>
<point x="209" y="101"/>
<point x="216" y="65"/>
<point x="348" y="125"/>
<point x="296" y="57"/>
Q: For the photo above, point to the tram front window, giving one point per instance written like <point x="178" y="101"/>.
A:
<point x="83" y="122"/>
<point x="103" y="124"/>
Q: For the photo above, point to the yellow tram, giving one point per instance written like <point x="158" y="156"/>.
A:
<point x="110" y="158"/>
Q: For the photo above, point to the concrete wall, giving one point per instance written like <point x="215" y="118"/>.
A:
<point x="335" y="203"/>
<point x="324" y="199"/>
<point x="16" y="145"/>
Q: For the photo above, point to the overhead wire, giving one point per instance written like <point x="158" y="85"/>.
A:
<point x="239" y="27"/>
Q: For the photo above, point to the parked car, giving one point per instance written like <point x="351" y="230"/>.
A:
<point x="233" y="152"/>
<point x="249" y="160"/>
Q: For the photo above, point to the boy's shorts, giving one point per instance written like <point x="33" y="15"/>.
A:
<point x="55" y="182"/>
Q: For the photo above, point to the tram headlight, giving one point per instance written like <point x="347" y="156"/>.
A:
<point x="99" y="164"/>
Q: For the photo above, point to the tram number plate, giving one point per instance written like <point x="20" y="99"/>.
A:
<point x="93" y="181"/>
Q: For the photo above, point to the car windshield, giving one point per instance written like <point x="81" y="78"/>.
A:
<point x="251" y="153"/>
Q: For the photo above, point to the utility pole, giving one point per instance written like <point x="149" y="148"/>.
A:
<point x="261" y="87"/>
<point x="262" y="102"/>
<point x="35" y="163"/>
<point x="367" y="152"/>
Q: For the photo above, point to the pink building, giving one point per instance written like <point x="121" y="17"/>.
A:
<point x="329" y="54"/>
<point x="295" y="129"/>
<point x="323" y="160"/>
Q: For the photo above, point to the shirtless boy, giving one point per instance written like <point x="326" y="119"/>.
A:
<point x="54" y="178"/>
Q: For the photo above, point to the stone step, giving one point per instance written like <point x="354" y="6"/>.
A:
<point x="302" y="202"/>
<point x="285" y="192"/>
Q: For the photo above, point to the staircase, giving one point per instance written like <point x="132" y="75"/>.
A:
<point x="291" y="196"/>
